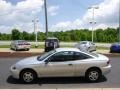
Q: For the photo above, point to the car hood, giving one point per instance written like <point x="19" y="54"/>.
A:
<point x="28" y="61"/>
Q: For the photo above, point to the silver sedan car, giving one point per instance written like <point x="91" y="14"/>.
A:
<point x="62" y="62"/>
<point x="20" y="45"/>
<point x="86" y="45"/>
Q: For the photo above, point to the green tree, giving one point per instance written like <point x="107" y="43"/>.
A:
<point x="16" y="35"/>
<point x="25" y="35"/>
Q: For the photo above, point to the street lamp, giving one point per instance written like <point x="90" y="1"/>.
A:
<point x="35" y="31"/>
<point x="93" y="21"/>
<point x="46" y="19"/>
<point x="119" y="20"/>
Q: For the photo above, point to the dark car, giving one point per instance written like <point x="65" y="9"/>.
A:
<point x="115" y="48"/>
<point x="51" y="43"/>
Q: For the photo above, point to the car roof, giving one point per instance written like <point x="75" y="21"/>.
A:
<point x="51" y="38"/>
<point x="19" y="40"/>
<point x="67" y="49"/>
<point x="85" y="41"/>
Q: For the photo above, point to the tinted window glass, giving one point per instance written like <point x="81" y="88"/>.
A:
<point x="51" y="40"/>
<point x="42" y="57"/>
<point x="80" y="56"/>
<point x="62" y="57"/>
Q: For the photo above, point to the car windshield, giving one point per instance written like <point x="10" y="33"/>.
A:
<point x="42" y="57"/>
<point x="83" y="42"/>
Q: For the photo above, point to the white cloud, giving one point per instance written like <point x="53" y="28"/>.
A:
<point x="67" y="25"/>
<point x="52" y="10"/>
<point x="106" y="16"/>
<point x="19" y="15"/>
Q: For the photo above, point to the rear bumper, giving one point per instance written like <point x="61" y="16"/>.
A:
<point x="21" y="47"/>
<point x="106" y="70"/>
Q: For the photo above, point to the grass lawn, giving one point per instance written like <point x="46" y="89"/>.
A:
<point x="42" y="46"/>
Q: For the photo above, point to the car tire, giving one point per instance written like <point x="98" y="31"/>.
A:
<point x="93" y="75"/>
<point x="15" y="49"/>
<point x="28" y="76"/>
<point x="46" y="50"/>
<point x="27" y="49"/>
<point x="111" y="51"/>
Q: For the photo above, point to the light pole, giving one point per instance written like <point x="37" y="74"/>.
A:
<point x="46" y="19"/>
<point x="93" y="21"/>
<point x="35" y="31"/>
<point x="119" y="21"/>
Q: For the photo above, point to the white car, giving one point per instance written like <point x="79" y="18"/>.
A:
<point x="20" y="45"/>
<point x="62" y="62"/>
<point x="86" y="46"/>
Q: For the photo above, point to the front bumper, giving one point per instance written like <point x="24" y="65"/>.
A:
<point x="14" y="72"/>
<point x="106" y="70"/>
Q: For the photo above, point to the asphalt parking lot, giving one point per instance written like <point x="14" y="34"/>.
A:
<point x="111" y="80"/>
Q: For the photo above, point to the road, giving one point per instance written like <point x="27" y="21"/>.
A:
<point x="112" y="80"/>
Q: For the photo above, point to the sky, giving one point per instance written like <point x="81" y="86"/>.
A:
<point x="62" y="14"/>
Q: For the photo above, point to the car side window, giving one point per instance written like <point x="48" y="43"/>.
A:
<point x="80" y="56"/>
<point x="61" y="57"/>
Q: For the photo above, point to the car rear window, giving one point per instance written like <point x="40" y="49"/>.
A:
<point x="51" y="40"/>
<point x="22" y="42"/>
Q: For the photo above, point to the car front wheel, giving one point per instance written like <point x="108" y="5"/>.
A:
<point x="28" y="76"/>
<point x="93" y="75"/>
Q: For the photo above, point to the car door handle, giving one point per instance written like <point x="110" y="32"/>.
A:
<point x="70" y="64"/>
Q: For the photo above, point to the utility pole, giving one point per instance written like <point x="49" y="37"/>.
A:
<point x="35" y="31"/>
<point x="46" y="19"/>
<point x="119" y="21"/>
<point x="93" y="21"/>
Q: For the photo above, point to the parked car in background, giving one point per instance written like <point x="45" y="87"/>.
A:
<point x="51" y="43"/>
<point x="20" y="45"/>
<point x="62" y="62"/>
<point x="86" y="45"/>
<point x="115" y="48"/>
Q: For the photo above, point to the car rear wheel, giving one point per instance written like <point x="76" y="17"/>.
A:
<point x="15" y="48"/>
<point x="28" y="76"/>
<point x="93" y="75"/>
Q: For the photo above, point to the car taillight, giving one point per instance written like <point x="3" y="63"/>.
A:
<point x="20" y="44"/>
<point x="27" y="44"/>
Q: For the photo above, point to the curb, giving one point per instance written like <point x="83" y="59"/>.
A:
<point x="73" y="89"/>
<point x="28" y="54"/>
<point x="18" y="54"/>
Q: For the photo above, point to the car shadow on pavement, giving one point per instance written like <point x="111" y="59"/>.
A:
<point x="56" y="80"/>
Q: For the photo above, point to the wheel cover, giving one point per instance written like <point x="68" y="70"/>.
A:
<point x="28" y="77"/>
<point x="93" y="75"/>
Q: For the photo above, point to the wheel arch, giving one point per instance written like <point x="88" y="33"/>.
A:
<point x="96" y="68"/>
<point x="28" y="69"/>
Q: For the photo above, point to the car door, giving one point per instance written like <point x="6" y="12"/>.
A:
<point x="58" y="65"/>
<point x="81" y="63"/>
